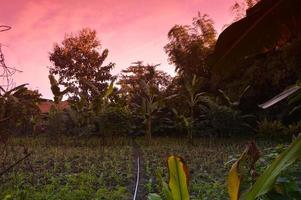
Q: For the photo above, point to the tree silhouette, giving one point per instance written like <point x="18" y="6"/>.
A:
<point x="78" y="58"/>
<point x="190" y="45"/>
<point x="130" y="81"/>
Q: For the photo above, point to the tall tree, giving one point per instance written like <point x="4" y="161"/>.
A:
<point x="79" y="57"/>
<point x="145" y="87"/>
<point x="130" y="81"/>
<point x="190" y="45"/>
<point x="239" y="8"/>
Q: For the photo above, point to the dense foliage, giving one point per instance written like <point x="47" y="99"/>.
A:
<point x="79" y="57"/>
<point x="19" y="111"/>
<point x="214" y="101"/>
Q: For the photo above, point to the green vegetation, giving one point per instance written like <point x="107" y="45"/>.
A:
<point x="229" y="91"/>
<point x="81" y="168"/>
<point x="68" y="168"/>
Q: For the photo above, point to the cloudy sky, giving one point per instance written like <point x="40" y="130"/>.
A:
<point x="131" y="29"/>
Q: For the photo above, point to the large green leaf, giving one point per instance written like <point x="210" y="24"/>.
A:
<point x="178" y="178"/>
<point x="15" y="89"/>
<point x="265" y="182"/>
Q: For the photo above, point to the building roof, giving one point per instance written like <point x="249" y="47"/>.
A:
<point x="45" y="106"/>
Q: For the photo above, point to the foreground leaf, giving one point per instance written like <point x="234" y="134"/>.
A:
<point x="234" y="182"/>
<point x="265" y="182"/>
<point x="241" y="169"/>
<point x="178" y="178"/>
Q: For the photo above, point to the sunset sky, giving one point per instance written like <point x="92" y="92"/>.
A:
<point x="132" y="30"/>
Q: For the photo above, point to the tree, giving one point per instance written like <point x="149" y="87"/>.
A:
<point x="130" y="81"/>
<point x="190" y="45"/>
<point x="239" y="8"/>
<point x="79" y="57"/>
<point x="150" y="104"/>
<point x="192" y="98"/>
<point x="145" y="87"/>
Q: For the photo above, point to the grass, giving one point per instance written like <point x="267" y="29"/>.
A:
<point x="82" y="168"/>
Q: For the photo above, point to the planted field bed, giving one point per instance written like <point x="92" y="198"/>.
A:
<point x="68" y="168"/>
<point x="207" y="162"/>
<point x="84" y="168"/>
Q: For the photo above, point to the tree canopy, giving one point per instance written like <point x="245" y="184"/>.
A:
<point x="131" y="77"/>
<point x="79" y="57"/>
<point x="190" y="45"/>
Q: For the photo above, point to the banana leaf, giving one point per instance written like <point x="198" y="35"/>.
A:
<point x="109" y="90"/>
<point x="178" y="178"/>
<point x="266" y="181"/>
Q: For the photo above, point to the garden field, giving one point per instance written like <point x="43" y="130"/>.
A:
<point x="82" y="168"/>
<point x="170" y="103"/>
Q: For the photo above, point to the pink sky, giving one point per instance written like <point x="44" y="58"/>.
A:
<point x="132" y="30"/>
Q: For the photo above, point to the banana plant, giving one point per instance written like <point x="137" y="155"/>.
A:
<point x="235" y="104"/>
<point x="150" y="104"/>
<point x="100" y="102"/>
<point x="19" y="105"/>
<point x="193" y="97"/>
<point x="8" y="96"/>
<point x="56" y="91"/>
<point x="177" y="187"/>
<point x="182" y="121"/>
<point x="265" y="182"/>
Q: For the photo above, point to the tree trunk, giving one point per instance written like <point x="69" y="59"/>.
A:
<point x="190" y="131"/>
<point x="149" y="129"/>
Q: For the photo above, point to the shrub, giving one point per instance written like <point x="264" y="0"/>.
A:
<point x="294" y="129"/>
<point x="272" y="129"/>
<point x="114" y="121"/>
<point x="223" y="121"/>
<point x="58" y="122"/>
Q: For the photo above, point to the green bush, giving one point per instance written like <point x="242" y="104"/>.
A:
<point x="224" y="121"/>
<point x="114" y="121"/>
<point x="272" y="129"/>
<point x="294" y="129"/>
<point x="58" y="122"/>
